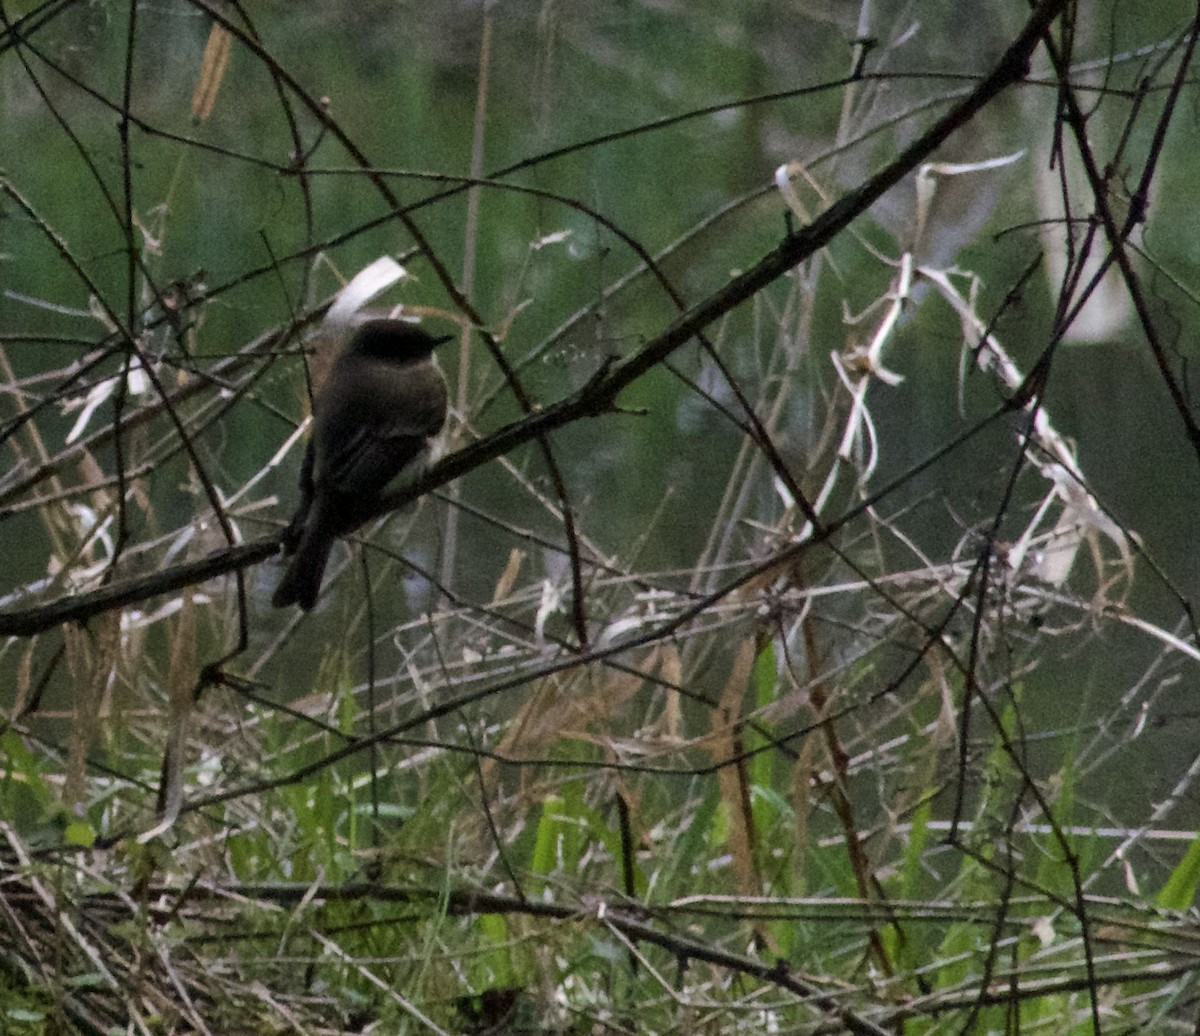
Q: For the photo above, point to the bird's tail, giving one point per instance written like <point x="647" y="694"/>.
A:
<point x="302" y="581"/>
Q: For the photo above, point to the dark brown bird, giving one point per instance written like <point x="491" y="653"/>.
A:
<point x="373" y="419"/>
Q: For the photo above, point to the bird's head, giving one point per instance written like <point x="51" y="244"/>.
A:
<point x="394" y="340"/>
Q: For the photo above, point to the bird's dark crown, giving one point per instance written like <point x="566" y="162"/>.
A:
<point x="393" y="340"/>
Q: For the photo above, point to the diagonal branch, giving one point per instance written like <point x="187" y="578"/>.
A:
<point x="599" y="395"/>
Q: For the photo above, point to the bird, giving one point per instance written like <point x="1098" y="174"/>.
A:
<point x="374" y="417"/>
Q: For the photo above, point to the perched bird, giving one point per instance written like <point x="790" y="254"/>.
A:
<point x="382" y="402"/>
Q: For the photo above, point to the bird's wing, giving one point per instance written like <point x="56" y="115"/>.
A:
<point x="365" y="461"/>
<point x="377" y="427"/>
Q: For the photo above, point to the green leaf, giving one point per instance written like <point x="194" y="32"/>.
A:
<point x="1180" y="888"/>
<point x="79" y="832"/>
